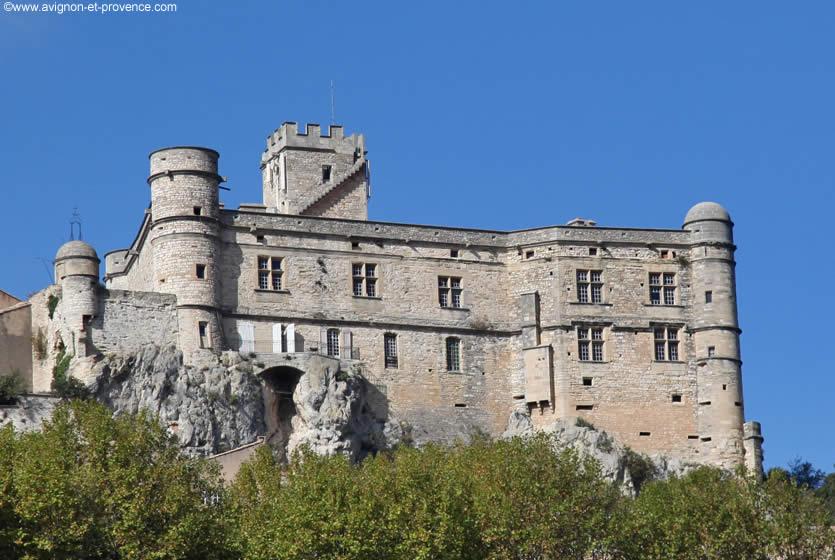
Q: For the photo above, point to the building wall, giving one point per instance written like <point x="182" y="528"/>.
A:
<point x="129" y="320"/>
<point x="16" y="341"/>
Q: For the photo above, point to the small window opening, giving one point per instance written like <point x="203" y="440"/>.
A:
<point x="201" y="271"/>
<point x="708" y="296"/>
<point x="355" y="245"/>
<point x="724" y="387"/>
<point x="585" y="407"/>
<point x="453" y="253"/>
<point x="260" y="239"/>
<point x="692" y="437"/>
<point x="198" y="211"/>
<point x="676" y="398"/>
<point x="592" y="251"/>
<point x="529" y="254"/>
<point x="705" y="403"/>
<point x="326" y="173"/>
<point x="460" y="405"/>
<point x="706" y="438"/>
<point x="665" y="254"/>
<point x="737" y="403"/>
<point x="644" y="434"/>
<point x="711" y="351"/>
<point x="587" y="381"/>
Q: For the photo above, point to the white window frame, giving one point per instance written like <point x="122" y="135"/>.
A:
<point x="453" y="354"/>
<point x="451" y="292"/>
<point x="366" y="276"/>
<point x="589" y="283"/>
<point x="666" y="345"/>
<point x="591" y="343"/>
<point x="270" y="273"/>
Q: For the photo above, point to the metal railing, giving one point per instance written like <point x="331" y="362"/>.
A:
<point x="270" y="346"/>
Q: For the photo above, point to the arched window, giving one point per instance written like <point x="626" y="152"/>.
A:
<point x="333" y="342"/>
<point x="453" y="354"/>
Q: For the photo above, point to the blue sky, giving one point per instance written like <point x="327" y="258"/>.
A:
<point x="483" y="114"/>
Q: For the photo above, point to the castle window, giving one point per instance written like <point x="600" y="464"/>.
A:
<point x="708" y="296"/>
<point x="529" y="254"/>
<point x="203" y="334"/>
<point x="333" y="342"/>
<point x="364" y="279"/>
<point x="592" y="251"/>
<point x="711" y="351"/>
<point x="200" y="271"/>
<point x="453" y="354"/>
<point x="453" y="253"/>
<point x="590" y="286"/>
<point x="676" y="398"/>
<point x="270" y="273"/>
<point x="590" y="343"/>
<point x="450" y="291"/>
<point x="662" y="287"/>
<point x="666" y="344"/>
<point x="326" y="173"/>
<point x="587" y="382"/>
<point x="198" y="211"/>
<point x="390" y="349"/>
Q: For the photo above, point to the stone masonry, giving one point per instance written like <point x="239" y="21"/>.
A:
<point x="455" y="330"/>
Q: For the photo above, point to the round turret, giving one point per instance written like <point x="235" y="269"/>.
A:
<point x="716" y="333"/>
<point x="76" y="258"/>
<point x="709" y="222"/>
<point x="185" y="229"/>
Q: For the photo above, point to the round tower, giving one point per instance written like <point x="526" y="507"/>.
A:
<point x="77" y="272"/>
<point x="716" y="334"/>
<point x="184" y="238"/>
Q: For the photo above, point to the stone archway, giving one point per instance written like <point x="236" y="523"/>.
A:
<point x="279" y="409"/>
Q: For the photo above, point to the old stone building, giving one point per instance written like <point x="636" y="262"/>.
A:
<point x="634" y="330"/>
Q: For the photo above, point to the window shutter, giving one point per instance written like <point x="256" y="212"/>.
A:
<point x="277" y="349"/>
<point x="323" y="340"/>
<point x="291" y="337"/>
<point x="246" y="332"/>
<point x="346" y="342"/>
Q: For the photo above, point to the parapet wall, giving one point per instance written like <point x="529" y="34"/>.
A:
<point x="127" y="321"/>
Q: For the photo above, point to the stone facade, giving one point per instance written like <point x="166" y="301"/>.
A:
<point x="633" y="329"/>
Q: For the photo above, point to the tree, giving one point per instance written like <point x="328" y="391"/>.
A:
<point x="93" y="486"/>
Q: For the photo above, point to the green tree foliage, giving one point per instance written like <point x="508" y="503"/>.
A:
<point x="11" y="386"/>
<point x="93" y="486"/>
<point x="712" y="514"/>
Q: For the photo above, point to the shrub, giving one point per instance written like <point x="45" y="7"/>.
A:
<point x="39" y="344"/>
<point x="64" y="385"/>
<point x="51" y="304"/>
<point x="11" y="386"/>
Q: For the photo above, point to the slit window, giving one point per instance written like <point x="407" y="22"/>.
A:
<point x="590" y="286"/>
<point x="450" y="291"/>
<point x="711" y="351"/>
<point x="200" y="271"/>
<point x="326" y="173"/>
<point x="644" y="434"/>
<point x="709" y="296"/>
<point x="666" y="344"/>
<point x="270" y="273"/>
<point x="198" y="211"/>
<point x="453" y="354"/>
<point x="390" y="349"/>
<point x="590" y="341"/>
<point x="203" y="334"/>
<point x="585" y="407"/>
<point x="364" y="280"/>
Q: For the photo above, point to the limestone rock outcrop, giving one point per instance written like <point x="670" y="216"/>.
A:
<point x="624" y="467"/>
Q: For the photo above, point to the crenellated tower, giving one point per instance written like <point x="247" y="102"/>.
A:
<point x="184" y="236"/>
<point x="314" y="174"/>
<point x="715" y="328"/>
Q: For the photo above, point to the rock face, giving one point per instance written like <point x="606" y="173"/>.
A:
<point x="29" y="413"/>
<point x="626" y="468"/>
<point x="210" y="408"/>
<point x="225" y="402"/>
<point x="333" y="416"/>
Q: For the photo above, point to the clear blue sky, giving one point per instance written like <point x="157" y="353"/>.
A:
<point x="484" y="114"/>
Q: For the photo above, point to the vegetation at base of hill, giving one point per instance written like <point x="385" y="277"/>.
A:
<point x="93" y="486"/>
<point x="11" y="386"/>
<point x="63" y="385"/>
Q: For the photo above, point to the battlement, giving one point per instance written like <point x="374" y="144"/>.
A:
<point x="311" y="137"/>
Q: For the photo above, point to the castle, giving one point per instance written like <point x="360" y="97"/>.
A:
<point x="634" y="330"/>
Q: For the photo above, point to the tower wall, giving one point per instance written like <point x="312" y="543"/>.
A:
<point x="720" y="411"/>
<point x="185" y="240"/>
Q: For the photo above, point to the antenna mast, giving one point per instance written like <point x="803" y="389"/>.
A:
<point x="333" y="105"/>
<point x="75" y="220"/>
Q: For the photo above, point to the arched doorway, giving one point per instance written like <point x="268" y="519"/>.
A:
<point x="279" y="408"/>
